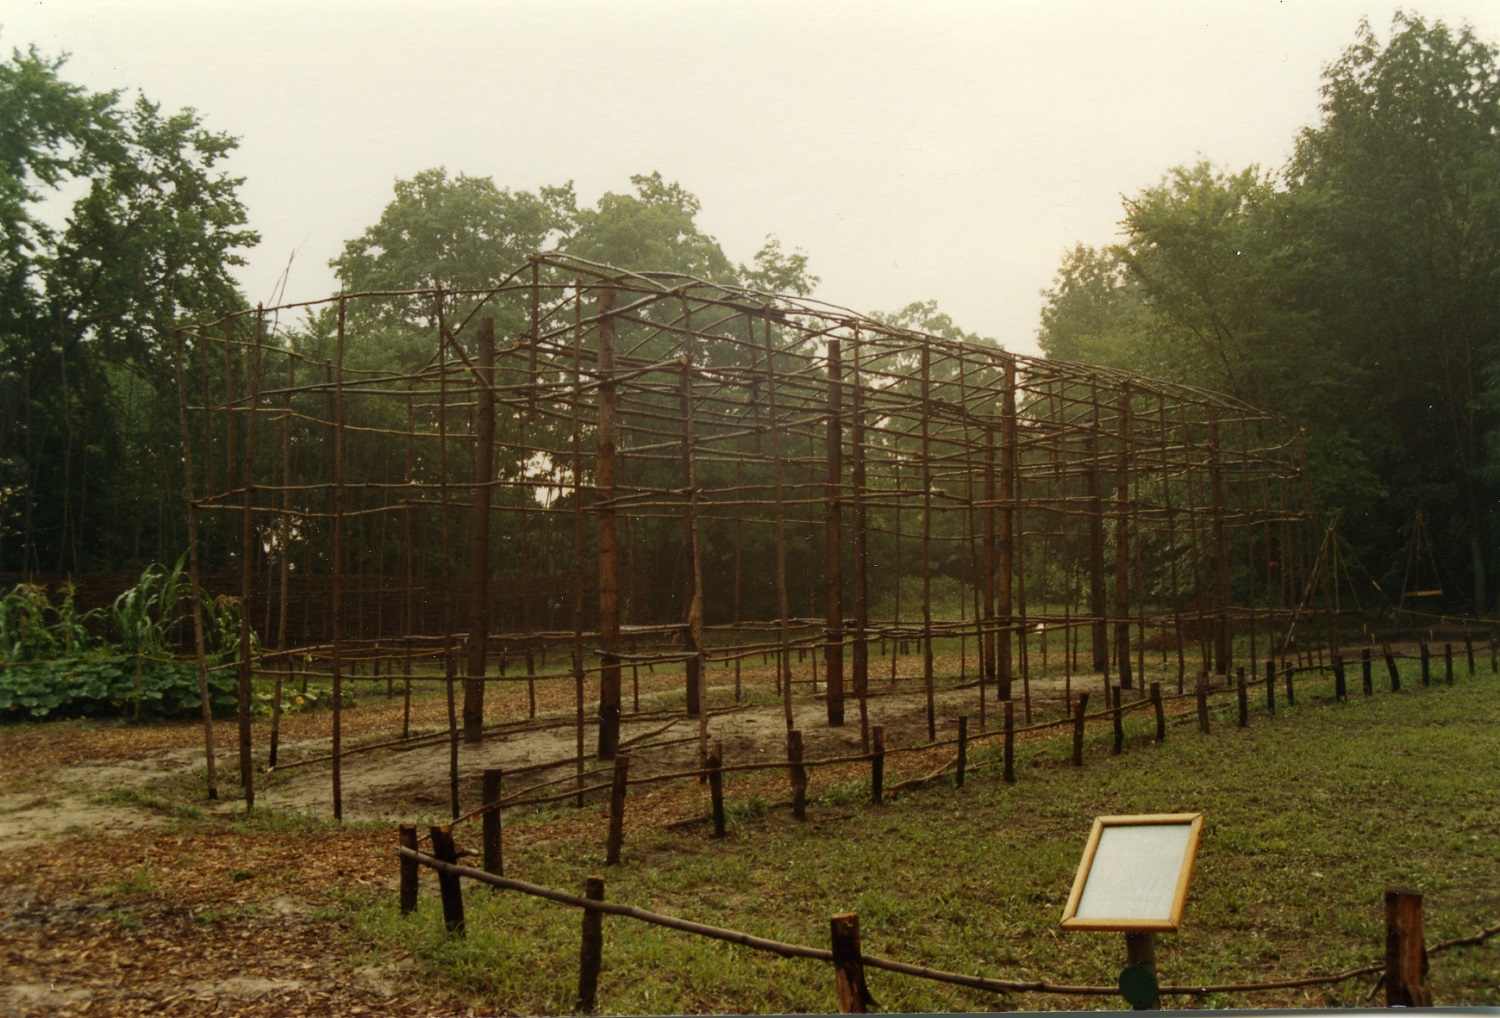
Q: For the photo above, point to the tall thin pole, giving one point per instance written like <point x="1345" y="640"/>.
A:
<point x="608" y="539"/>
<point x="338" y="571"/>
<point x="833" y="653"/>
<point x="483" y="473"/>
<point x="205" y="703"/>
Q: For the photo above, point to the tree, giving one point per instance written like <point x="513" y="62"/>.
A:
<point x="86" y="313"/>
<point x="653" y="230"/>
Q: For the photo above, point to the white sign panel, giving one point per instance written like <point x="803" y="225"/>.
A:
<point x="1134" y="874"/>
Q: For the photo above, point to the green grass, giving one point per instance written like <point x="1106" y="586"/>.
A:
<point x="1309" y="816"/>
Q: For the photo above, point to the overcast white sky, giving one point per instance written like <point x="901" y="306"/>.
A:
<point x="944" y="150"/>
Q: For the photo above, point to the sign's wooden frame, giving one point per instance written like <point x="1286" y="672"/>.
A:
<point x="1164" y="924"/>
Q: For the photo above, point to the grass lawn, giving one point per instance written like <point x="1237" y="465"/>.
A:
<point x="1310" y="816"/>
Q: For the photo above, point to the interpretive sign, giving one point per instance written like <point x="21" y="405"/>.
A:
<point x="1134" y="874"/>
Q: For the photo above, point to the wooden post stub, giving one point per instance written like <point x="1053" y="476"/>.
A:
<point x="716" y="786"/>
<point x="494" y="858"/>
<point x="406" y="837"/>
<point x="1138" y="984"/>
<point x="617" y="810"/>
<point x="1390" y="668"/>
<point x="1243" y="694"/>
<point x="448" y="883"/>
<point x="1405" y="953"/>
<point x="1469" y="650"/>
<point x="963" y="751"/>
<point x="591" y="947"/>
<point x="849" y="966"/>
<point x="1010" y="743"/>
<point x="1448" y="663"/>
<point x="1340" y="689"/>
<point x="1203" y="704"/>
<point x="877" y="764"/>
<point x="1119" y="721"/>
<point x="1426" y="656"/>
<point x="798" y="774"/>
<point x="1291" y="690"/>
<point x="1161" y="714"/>
<point x="1366" y="676"/>
<point x="1078" y="715"/>
<point x="1271" y="687"/>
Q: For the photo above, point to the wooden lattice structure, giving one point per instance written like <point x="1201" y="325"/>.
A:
<point x="595" y="468"/>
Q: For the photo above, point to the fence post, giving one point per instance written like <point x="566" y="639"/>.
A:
<point x="407" y="838"/>
<point x="1203" y="704"/>
<point x="798" y="772"/>
<point x="1469" y="650"/>
<point x="1009" y="774"/>
<point x="1271" y="687"/>
<point x="1291" y="691"/>
<point x="716" y="786"/>
<point x="617" y="810"/>
<point x="1083" y="706"/>
<point x="1365" y="674"/>
<point x="1448" y="663"/>
<point x="1390" y="667"/>
<point x="963" y="751"/>
<point x="1340" y="688"/>
<point x="877" y="764"/>
<point x="1244" y="698"/>
<point x="494" y="857"/>
<point x="1426" y="656"/>
<point x="1405" y="954"/>
<point x="448" y="883"/>
<point x="849" y="966"/>
<point x="591" y="948"/>
<point x="1161" y="714"/>
<point x="1119" y="721"/>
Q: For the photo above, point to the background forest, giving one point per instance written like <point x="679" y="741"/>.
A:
<point x="1353" y="291"/>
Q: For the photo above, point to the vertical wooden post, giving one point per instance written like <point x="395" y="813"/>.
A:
<point x="877" y="764"/>
<point x="608" y="537"/>
<point x="1122" y="542"/>
<point x="963" y="751"/>
<point x="1270" y="687"/>
<point x="1140" y="953"/>
<point x="861" y="664"/>
<point x="1010" y="742"/>
<point x="1006" y="540"/>
<point x="336" y="567"/>
<point x="1095" y="514"/>
<point x="798" y="774"/>
<point x="783" y="606"/>
<point x="591" y="947"/>
<point x="1426" y="656"/>
<point x="494" y="854"/>
<point x="1161" y="714"/>
<point x="448" y="883"/>
<point x="927" y="485"/>
<point x="693" y="667"/>
<point x="1390" y="668"/>
<point x="407" y="838"/>
<point x="1117" y="719"/>
<point x="833" y="568"/>
<point x="1340" y="688"/>
<point x="1448" y="663"/>
<point x="483" y="474"/>
<point x="1219" y="550"/>
<point x="247" y="559"/>
<point x="1078" y="714"/>
<point x="1405" y="953"/>
<point x="1203" y="704"/>
<point x="716" y="786"/>
<point x="450" y="668"/>
<point x="848" y="965"/>
<point x="1244" y="701"/>
<point x="617" y="810"/>
<point x="1469" y="650"/>
<point x="1365" y="674"/>
<point x="1291" y="691"/>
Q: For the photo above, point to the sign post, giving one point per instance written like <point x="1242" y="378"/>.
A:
<point x="1134" y="878"/>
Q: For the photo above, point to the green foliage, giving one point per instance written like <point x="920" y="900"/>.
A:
<point x="52" y="665"/>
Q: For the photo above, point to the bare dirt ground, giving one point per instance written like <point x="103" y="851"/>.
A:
<point x="124" y="891"/>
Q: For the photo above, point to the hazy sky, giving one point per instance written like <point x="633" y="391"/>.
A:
<point x="945" y="150"/>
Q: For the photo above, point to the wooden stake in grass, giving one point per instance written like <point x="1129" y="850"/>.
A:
<point x="1203" y="704"/>
<point x="1340" y="690"/>
<point x="494" y="858"/>
<point x="1010" y="742"/>
<point x="1426" y="656"/>
<point x="1469" y="650"/>
<point x="1405" y="954"/>
<point x="716" y="786"/>
<point x="591" y="949"/>
<point x="1448" y="663"/>
<point x="877" y="764"/>
<point x="1390" y="667"/>
<point x="1078" y="716"/>
<point x="1244" y="701"/>
<point x="448" y="883"/>
<point x="617" y="810"/>
<point x="1271" y="688"/>
<point x="1161" y="714"/>
<point x="848" y="965"/>
<point x="1119" y="721"/>
<point x="798" y="774"/>
<point x="407" y="838"/>
<point x="963" y="751"/>
<point x="1365" y="675"/>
